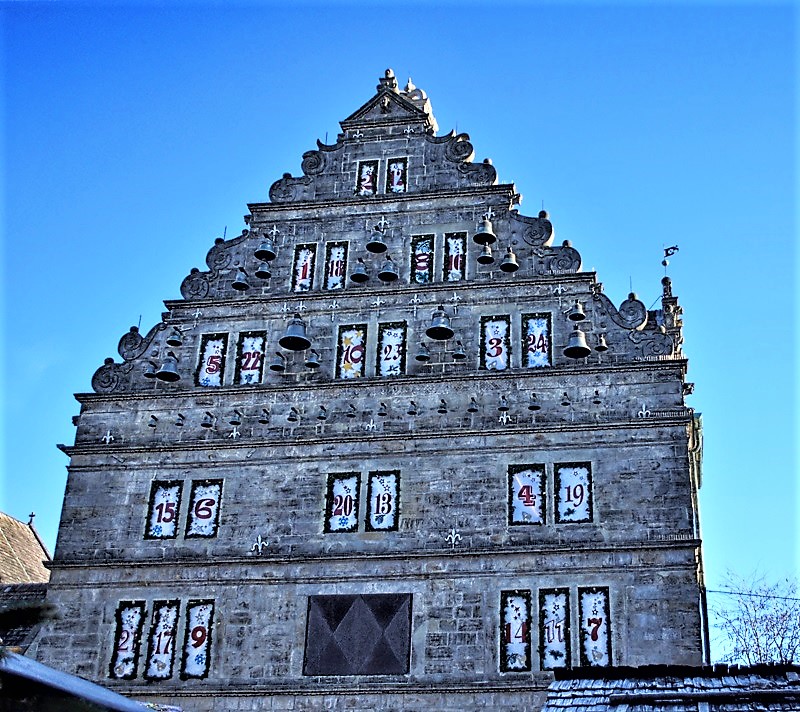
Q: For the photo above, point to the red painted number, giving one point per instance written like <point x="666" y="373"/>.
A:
<point x="521" y="632"/>
<point x="495" y="347"/>
<point x="165" y="512"/>
<point x="251" y="360"/>
<point x="305" y="268"/>
<point x="213" y="364"/>
<point x="125" y="641"/>
<point x="422" y="261"/>
<point x="203" y="508"/>
<point x="595" y="623"/>
<point x="575" y="495"/>
<point x="342" y="505"/>
<point x="163" y="642"/>
<point x="198" y="635"/>
<point x="554" y="630"/>
<point x="454" y="262"/>
<point x="527" y="496"/>
<point x="353" y="354"/>
<point x="535" y="344"/>
<point x="383" y="503"/>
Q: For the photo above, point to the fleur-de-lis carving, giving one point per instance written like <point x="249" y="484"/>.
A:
<point x="452" y="538"/>
<point x="260" y="545"/>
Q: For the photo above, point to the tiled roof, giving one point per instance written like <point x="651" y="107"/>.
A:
<point x="676" y="689"/>
<point x="21" y="553"/>
<point x="20" y="611"/>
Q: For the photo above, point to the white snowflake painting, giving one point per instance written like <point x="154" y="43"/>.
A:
<point x="595" y="628"/>
<point x="251" y="361"/>
<point x="162" y="640"/>
<point x="574" y="493"/>
<point x="391" y="350"/>
<point x="554" y="628"/>
<point x="495" y="344"/>
<point x="537" y="342"/>
<point x="303" y="275"/>
<point x="343" y="504"/>
<point x="164" y="506"/>
<point x="335" y="267"/>
<point x="129" y="626"/>
<point x="199" y="618"/>
<point x="515" y="633"/>
<point x="383" y="496"/>
<point x="526" y="496"/>
<point x="203" y="509"/>
<point x="352" y="349"/>
<point x="422" y="259"/>
<point x="455" y="256"/>
<point x="212" y="362"/>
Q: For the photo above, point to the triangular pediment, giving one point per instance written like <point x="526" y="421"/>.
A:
<point x="385" y="107"/>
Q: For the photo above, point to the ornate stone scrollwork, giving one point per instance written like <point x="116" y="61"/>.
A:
<point x="289" y="189"/>
<point x="218" y="256"/>
<point x="195" y="286"/>
<point x="107" y="378"/>
<point x="632" y="313"/>
<point x="479" y="173"/>
<point x="653" y="343"/>
<point x="313" y="163"/>
<point x="459" y="149"/>
<point x="558" y="260"/>
<point x="538" y="231"/>
<point x="130" y="344"/>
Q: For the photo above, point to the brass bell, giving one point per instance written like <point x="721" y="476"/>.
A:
<point x="503" y="406"/>
<point x="266" y="250"/>
<point x="278" y="363"/>
<point x="263" y="271"/>
<point x="509" y="263"/>
<point x="264" y="417"/>
<point x="423" y="354"/>
<point x="388" y="272"/>
<point x="383" y="411"/>
<point x="240" y="281"/>
<point x="596" y="399"/>
<point x="293" y="416"/>
<point x="295" y="337"/>
<point x="576" y="313"/>
<point x="351" y="411"/>
<point x="175" y="338"/>
<point x="236" y="418"/>
<point x="473" y="405"/>
<point x="312" y="360"/>
<point x="459" y="354"/>
<point x="207" y="421"/>
<point x="376" y="245"/>
<point x="534" y="403"/>
<point x="486" y="257"/>
<point x="359" y="275"/>
<point x="180" y="421"/>
<point x="565" y="400"/>
<point x="576" y="347"/>
<point x="442" y="406"/>
<point x="323" y="413"/>
<point x="150" y="369"/>
<point x="412" y="408"/>
<point x="153" y="422"/>
<point x="601" y="344"/>
<point x="440" y="326"/>
<point x="484" y="235"/>
<point x="169" y="369"/>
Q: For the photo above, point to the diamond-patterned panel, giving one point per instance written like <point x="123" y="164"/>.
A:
<point x="367" y="634"/>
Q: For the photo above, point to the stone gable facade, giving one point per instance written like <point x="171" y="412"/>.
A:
<point x="392" y="450"/>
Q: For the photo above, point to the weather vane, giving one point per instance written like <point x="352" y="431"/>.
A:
<point x="668" y="252"/>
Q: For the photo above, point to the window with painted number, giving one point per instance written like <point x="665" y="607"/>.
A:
<point x="573" y="485"/>
<point x="250" y="357"/>
<point x="335" y="265"/>
<point x="161" y="642"/>
<point x="391" y="353"/>
<point x="595" y="626"/>
<point x="397" y="175"/>
<point x="195" y="661"/>
<point x="163" y="509"/>
<point x="351" y="351"/>
<point x="554" y="641"/>
<point x="211" y="363"/>
<point x="204" y="508"/>
<point x="127" y="637"/>
<point x="341" y="502"/>
<point x="383" y="497"/>
<point x="526" y="485"/>
<point x="455" y="256"/>
<point x="422" y="259"/>
<point x="495" y="343"/>
<point x="536" y="342"/>
<point x="303" y="268"/>
<point x="515" y="636"/>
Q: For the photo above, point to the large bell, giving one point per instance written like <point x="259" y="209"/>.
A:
<point x="240" y="281"/>
<point x="175" y="338"/>
<point x="376" y="245"/>
<point x="423" y="354"/>
<point x="484" y="235"/>
<point x="359" y="275"/>
<point x="295" y="337"/>
<point x="278" y="363"/>
<point x="509" y="263"/>
<point x="388" y="271"/>
<point x="169" y="369"/>
<point x="266" y="250"/>
<point x="263" y="271"/>
<point x="576" y="313"/>
<point x="577" y="348"/>
<point x="440" y="326"/>
<point x="486" y="257"/>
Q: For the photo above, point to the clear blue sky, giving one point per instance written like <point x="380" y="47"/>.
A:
<point x="134" y="133"/>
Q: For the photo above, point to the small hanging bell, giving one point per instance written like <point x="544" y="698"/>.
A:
<point x="576" y="313"/>
<point x="596" y="399"/>
<point x="459" y="354"/>
<point x="263" y="271"/>
<point x="266" y="250"/>
<point x="388" y="272"/>
<point x="207" y="421"/>
<point x="509" y="263"/>
<point x="153" y="422"/>
<point x="323" y="413"/>
<point x="150" y="369"/>
<point x="240" y="281"/>
<point x="293" y="416"/>
<point x="236" y="418"/>
<point x="423" y="354"/>
<point x="442" y="406"/>
<point x="473" y="405"/>
<point x="486" y="257"/>
<point x="359" y="275"/>
<point x="295" y="337"/>
<point x="440" y="326"/>
<point x="577" y="348"/>
<point x="484" y="235"/>
<point x="264" y="417"/>
<point x="383" y="411"/>
<point x="565" y="400"/>
<point x="175" y="338"/>
<point x="533" y="404"/>
<point x="312" y="360"/>
<point x="601" y="344"/>
<point x="169" y="369"/>
<point x="412" y="408"/>
<point x="351" y="411"/>
<point x="278" y="363"/>
<point x="376" y="245"/>
<point x="503" y="406"/>
<point x="180" y="421"/>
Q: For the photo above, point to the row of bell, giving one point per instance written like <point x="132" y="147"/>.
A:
<point x="167" y="372"/>
<point x="578" y="348"/>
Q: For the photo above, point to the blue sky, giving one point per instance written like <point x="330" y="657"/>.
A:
<point x="133" y="134"/>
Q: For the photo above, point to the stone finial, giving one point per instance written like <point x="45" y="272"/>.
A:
<point x="409" y="86"/>
<point x="388" y="81"/>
